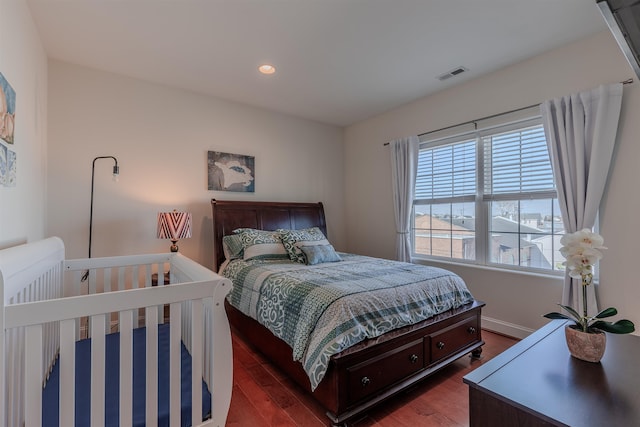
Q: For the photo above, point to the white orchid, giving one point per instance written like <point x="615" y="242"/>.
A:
<point x="585" y="238"/>
<point x="582" y="250"/>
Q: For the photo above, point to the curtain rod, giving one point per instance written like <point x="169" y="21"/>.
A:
<point x="625" y="82"/>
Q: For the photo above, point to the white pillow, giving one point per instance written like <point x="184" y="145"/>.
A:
<point x="261" y="244"/>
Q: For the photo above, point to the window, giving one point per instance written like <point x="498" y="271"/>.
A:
<point x="488" y="197"/>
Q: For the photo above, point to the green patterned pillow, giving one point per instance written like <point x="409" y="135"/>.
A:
<point x="261" y="244"/>
<point x="232" y="246"/>
<point x="317" y="254"/>
<point x="294" y="239"/>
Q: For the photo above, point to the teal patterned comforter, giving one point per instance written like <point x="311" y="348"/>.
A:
<point x="322" y="309"/>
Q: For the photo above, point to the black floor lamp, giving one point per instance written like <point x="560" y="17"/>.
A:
<point x="116" y="172"/>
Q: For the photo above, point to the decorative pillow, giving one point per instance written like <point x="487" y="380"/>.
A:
<point x="294" y="239"/>
<point x="317" y="254"/>
<point x="232" y="246"/>
<point x="261" y="244"/>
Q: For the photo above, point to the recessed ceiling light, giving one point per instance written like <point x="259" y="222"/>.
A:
<point x="267" y="69"/>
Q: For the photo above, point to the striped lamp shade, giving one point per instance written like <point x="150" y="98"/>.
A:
<point x="174" y="226"/>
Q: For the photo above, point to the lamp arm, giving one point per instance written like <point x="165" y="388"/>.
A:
<point x="116" y="171"/>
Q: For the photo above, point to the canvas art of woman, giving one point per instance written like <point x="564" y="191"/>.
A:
<point x="7" y="115"/>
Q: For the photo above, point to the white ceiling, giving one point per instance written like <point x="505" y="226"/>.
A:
<point x="338" y="61"/>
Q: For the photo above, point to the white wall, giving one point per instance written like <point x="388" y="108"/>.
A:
<point x="160" y="137"/>
<point x="24" y="64"/>
<point x="515" y="302"/>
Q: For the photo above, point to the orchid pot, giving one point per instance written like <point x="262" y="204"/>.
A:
<point x="587" y="346"/>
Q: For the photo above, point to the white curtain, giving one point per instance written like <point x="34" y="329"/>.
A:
<point x="581" y="132"/>
<point x="404" y="165"/>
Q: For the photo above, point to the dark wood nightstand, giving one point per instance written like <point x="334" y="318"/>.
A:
<point x="537" y="383"/>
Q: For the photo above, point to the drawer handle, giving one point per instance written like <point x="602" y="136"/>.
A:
<point x="413" y="358"/>
<point x="471" y="330"/>
<point x="365" y="381"/>
<point x="440" y="345"/>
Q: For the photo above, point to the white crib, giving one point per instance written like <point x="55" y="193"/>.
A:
<point x="47" y="308"/>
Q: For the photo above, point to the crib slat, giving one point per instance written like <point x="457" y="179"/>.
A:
<point x="5" y="353"/>
<point x="121" y="282"/>
<point x="174" y="364"/>
<point x="33" y="377"/>
<point x="159" y="282"/>
<point x="76" y="277"/>
<point x="151" y="316"/>
<point x="106" y="288"/>
<point x="4" y="408"/>
<point x="147" y="275"/>
<point x="47" y="293"/>
<point x="67" y="363"/>
<point x="135" y="277"/>
<point x="208" y="337"/>
<point x="160" y="270"/>
<point x="107" y="280"/>
<point x="15" y="358"/>
<point x="126" y="368"/>
<point x="186" y="324"/>
<point x="76" y="282"/>
<point x="98" y="349"/>
<point x="196" y="362"/>
<point x="92" y="282"/>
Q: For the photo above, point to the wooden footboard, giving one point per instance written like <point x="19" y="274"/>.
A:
<point x="377" y="369"/>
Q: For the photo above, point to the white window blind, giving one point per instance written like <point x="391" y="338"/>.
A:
<point x="447" y="173"/>
<point x="516" y="163"/>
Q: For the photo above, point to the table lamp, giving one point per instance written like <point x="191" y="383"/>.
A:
<point x="174" y="226"/>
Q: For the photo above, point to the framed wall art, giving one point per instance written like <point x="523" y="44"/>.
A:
<point x="7" y="110"/>
<point x="7" y="125"/>
<point x="231" y="172"/>
<point x="7" y="167"/>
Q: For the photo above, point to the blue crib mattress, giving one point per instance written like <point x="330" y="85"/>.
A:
<point x="50" y="398"/>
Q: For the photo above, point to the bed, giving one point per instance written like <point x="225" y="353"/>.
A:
<point x="110" y="341"/>
<point x="357" y="377"/>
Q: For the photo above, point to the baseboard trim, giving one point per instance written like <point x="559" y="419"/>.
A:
<point x="505" y="328"/>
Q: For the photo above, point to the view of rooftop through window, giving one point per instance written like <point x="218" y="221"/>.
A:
<point x="518" y="198"/>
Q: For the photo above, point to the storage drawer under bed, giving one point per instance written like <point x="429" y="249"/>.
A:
<point x="371" y="376"/>
<point x="452" y="339"/>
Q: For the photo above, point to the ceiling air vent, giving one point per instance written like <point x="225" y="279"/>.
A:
<point x="452" y="73"/>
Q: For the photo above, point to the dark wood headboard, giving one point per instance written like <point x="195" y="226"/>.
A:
<point x="229" y="215"/>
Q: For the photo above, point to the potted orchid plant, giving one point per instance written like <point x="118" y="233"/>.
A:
<point x="582" y="250"/>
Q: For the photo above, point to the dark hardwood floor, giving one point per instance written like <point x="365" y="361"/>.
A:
<point x="263" y="396"/>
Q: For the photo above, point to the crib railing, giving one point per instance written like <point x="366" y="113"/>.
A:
<point x="127" y="272"/>
<point x="41" y="324"/>
<point x="27" y="273"/>
<point x="100" y="275"/>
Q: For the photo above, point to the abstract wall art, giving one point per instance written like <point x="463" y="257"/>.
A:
<point x="231" y="172"/>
